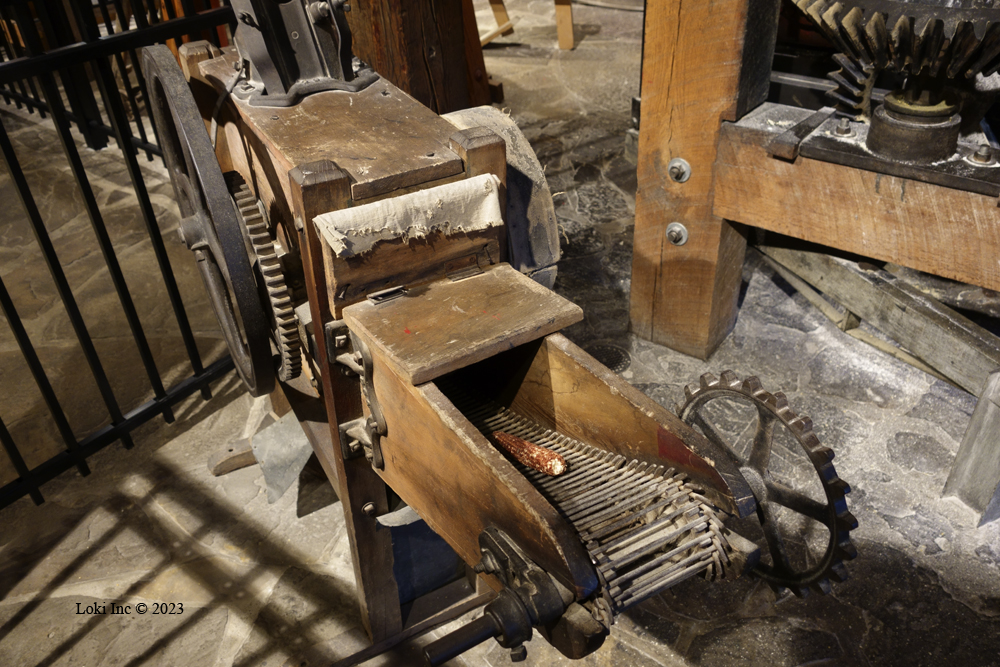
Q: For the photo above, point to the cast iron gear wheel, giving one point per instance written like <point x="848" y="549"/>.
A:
<point x="285" y="325"/>
<point x="834" y="515"/>
<point x="914" y="37"/>
<point x="210" y="225"/>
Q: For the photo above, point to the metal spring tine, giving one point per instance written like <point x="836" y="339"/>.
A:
<point x="600" y="492"/>
<point x="606" y="529"/>
<point x="647" y="572"/>
<point x="654" y="546"/>
<point x="631" y="548"/>
<point x="597" y="526"/>
<point x="637" y="596"/>
<point x="631" y="490"/>
<point x="592" y="481"/>
<point x="667" y="520"/>
<point x="566" y="486"/>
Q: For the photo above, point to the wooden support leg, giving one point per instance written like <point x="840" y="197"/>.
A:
<point x="975" y="477"/>
<point x="564" y="23"/>
<point x="703" y="64"/>
<point x="500" y="13"/>
<point x="317" y="188"/>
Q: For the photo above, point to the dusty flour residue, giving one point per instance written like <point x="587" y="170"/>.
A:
<point x="461" y="207"/>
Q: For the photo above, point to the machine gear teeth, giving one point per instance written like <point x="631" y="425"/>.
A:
<point x="286" y="325"/>
<point x="908" y="36"/>
<point x="773" y="408"/>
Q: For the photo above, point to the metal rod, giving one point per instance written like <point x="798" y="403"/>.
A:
<point x="93" y="210"/>
<point x="59" y="277"/>
<point x="41" y="379"/>
<point x="23" y="67"/>
<point x="19" y="465"/>
<point x="105" y="436"/>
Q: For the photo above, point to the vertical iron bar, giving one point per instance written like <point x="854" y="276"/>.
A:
<point x="96" y="220"/>
<point x="41" y="379"/>
<point x="9" y="46"/>
<point x="62" y="285"/>
<point x="70" y="78"/>
<point x="119" y="124"/>
<point x="125" y="82"/>
<point x="19" y="464"/>
<point x="140" y="21"/>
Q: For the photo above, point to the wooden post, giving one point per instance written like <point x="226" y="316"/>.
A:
<point x="564" y="23"/>
<point x="975" y="477"/>
<point x="317" y="188"/>
<point x="703" y="63"/>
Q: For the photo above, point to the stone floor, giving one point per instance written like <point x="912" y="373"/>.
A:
<point x="261" y="585"/>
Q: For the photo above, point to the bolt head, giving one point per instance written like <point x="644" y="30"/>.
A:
<point x="983" y="154"/>
<point x="679" y="170"/>
<point x="519" y="653"/>
<point x="368" y="509"/>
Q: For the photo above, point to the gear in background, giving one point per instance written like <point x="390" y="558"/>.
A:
<point x="773" y="409"/>
<point x="912" y="37"/>
<point x="285" y="325"/>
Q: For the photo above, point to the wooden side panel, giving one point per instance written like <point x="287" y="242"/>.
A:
<point x="685" y="296"/>
<point x="570" y="391"/>
<point x="316" y="188"/>
<point x="459" y="483"/>
<point x="419" y="45"/>
<point x="946" y="232"/>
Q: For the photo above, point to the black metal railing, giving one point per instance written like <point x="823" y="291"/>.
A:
<point x="47" y="61"/>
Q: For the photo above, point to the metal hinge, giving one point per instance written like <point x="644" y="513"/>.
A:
<point x="364" y="434"/>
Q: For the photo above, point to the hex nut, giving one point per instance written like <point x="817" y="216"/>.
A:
<point x="679" y="170"/>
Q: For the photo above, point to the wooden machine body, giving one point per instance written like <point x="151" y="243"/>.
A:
<point x="336" y="150"/>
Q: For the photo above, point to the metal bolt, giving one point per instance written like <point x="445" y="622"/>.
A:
<point x="677" y="233"/>
<point x="519" y="653"/>
<point x="319" y="11"/>
<point x="368" y="509"/>
<point x="340" y="341"/>
<point x="679" y="170"/>
<point x="354" y="446"/>
<point x="983" y="154"/>
<point x="844" y="128"/>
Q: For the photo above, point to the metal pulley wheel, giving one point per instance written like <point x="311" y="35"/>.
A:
<point x="209" y="220"/>
<point x="822" y="562"/>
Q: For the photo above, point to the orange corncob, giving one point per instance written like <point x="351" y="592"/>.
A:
<point x="535" y="457"/>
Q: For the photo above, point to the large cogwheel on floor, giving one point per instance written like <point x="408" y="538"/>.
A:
<point x="284" y="324"/>
<point x="773" y="411"/>
<point x="955" y="39"/>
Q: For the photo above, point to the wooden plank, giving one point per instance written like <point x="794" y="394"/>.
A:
<point x="316" y="188"/>
<point x="440" y="464"/>
<point x="958" y="348"/>
<point x="564" y="23"/>
<point x="382" y="137"/>
<point x="571" y="392"/>
<point x="500" y="14"/>
<point x="443" y="326"/>
<point x="939" y="230"/>
<point x="975" y="476"/>
<point x="694" y="76"/>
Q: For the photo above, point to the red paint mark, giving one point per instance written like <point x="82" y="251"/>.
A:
<point x="405" y="330"/>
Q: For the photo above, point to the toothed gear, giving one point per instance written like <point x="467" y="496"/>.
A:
<point x="908" y="36"/>
<point x="285" y="325"/>
<point x="772" y="409"/>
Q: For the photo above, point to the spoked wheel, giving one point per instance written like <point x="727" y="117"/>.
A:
<point x="755" y="463"/>
<point x="209" y="221"/>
